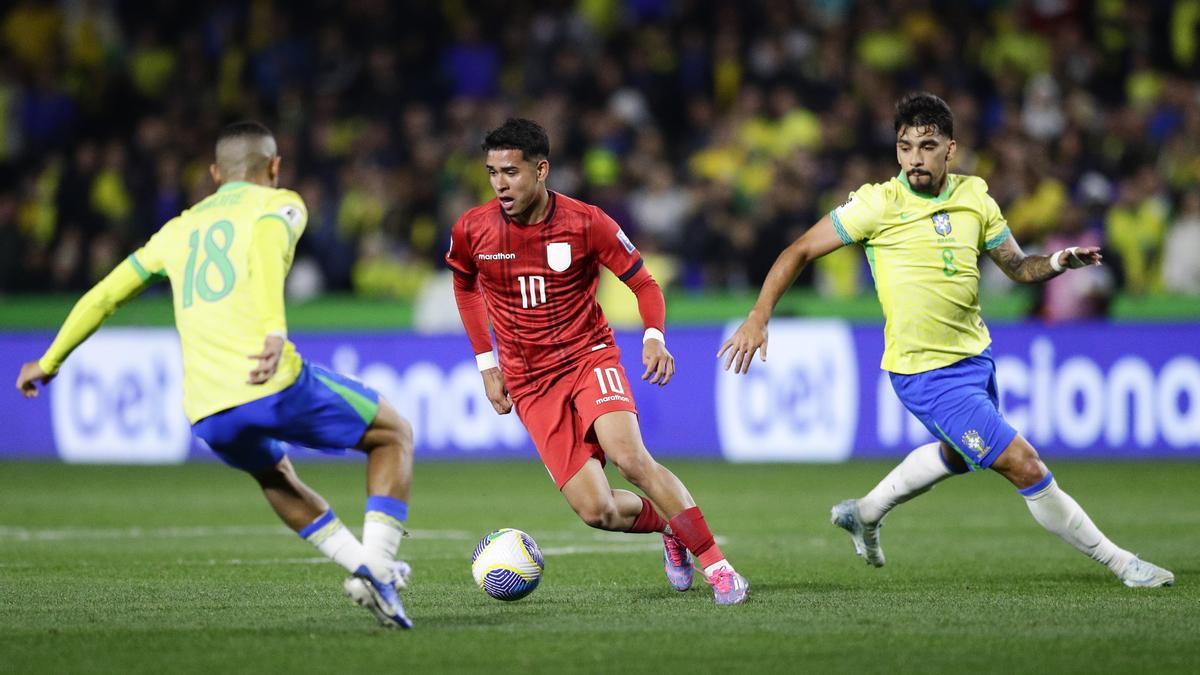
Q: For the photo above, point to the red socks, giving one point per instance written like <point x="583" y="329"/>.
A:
<point x="691" y="529"/>
<point x="648" y="520"/>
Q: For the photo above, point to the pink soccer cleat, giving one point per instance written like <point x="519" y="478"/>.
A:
<point x="729" y="587"/>
<point x="677" y="563"/>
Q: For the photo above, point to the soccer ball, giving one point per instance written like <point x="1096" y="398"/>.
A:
<point x="507" y="564"/>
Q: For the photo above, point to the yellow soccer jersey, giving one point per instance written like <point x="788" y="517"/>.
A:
<point x="924" y="255"/>
<point x="226" y="258"/>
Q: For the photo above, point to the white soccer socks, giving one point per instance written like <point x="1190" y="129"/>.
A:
<point x="332" y="538"/>
<point x="917" y="474"/>
<point x="383" y="527"/>
<point x="1056" y="511"/>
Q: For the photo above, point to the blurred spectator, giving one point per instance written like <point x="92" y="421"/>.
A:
<point x="1136" y="226"/>
<point x="1181" y="260"/>
<point x="714" y="132"/>
<point x="661" y="207"/>
<point x="1083" y="294"/>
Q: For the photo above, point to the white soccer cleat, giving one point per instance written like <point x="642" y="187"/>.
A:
<point x="865" y="537"/>
<point x="1141" y="574"/>
<point x="377" y="596"/>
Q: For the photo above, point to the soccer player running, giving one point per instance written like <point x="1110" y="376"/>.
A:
<point x="529" y="260"/>
<point x="923" y="231"/>
<point x="245" y="388"/>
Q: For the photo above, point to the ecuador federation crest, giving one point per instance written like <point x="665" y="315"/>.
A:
<point x="941" y="223"/>
<point x="974" y="442"/>
<point x="558" y="255"/>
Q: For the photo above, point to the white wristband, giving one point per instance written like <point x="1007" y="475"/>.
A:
<point x="1054" y="264"/>
<point x="654" y="334"/>
<point x="486" y="361"/>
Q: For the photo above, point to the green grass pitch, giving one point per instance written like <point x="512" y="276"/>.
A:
<point x="185" y="570"/>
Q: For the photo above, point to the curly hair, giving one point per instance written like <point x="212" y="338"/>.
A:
<point x="922" y="109"/>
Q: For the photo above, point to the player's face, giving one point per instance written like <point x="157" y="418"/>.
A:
<point x="924" y="154"/>
<point x="517" y="181"/>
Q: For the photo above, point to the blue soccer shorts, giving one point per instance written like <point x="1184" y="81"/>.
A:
<point x="960" y="405"/>
<point x="321" y="410"/>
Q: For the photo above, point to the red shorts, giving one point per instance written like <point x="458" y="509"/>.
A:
<point x="559" y="410"/>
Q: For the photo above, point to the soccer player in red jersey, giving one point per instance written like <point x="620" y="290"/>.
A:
<point x="529" y="261"/>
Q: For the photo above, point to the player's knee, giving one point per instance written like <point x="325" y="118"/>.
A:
<point x="1021" y="464"/>
<point x="637" y="468"/>
<point x="404" y="435"/>
<point x="1030" y="471"/>
<point x="601" y="516"/>
<point x="281" y="473"/>
<point x="630" y="456"/>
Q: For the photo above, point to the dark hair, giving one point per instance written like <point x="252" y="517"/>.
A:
<point x="518" y="133"/>
<point x="242" y="129"/>
<point x="922" y="109"/>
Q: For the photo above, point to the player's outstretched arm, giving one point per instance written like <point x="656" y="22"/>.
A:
<point x="1029" y="269"/>
<point x="99" y="303"/>
<point x="751" y="336"/>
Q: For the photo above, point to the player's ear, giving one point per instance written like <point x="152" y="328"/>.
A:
<point x="543" y="169"/>
<point x="273" y="169"/>
<point x="951" y="147"/>
<point x="215" y="172"/>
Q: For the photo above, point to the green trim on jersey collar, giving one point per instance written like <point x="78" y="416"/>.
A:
<point x="234" y="185"/>
<point x="940" y="198"/>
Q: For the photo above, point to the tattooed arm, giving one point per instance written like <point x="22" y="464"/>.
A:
<point x="1030" y="269"/>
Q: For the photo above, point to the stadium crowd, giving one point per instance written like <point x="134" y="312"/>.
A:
<point x="715" y="132"/>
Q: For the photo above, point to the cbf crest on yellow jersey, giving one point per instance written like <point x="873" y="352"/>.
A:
<point x="924" y="255"/>
<point x="226" y="258"/>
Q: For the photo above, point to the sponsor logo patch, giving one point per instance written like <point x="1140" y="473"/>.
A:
<point x="624" y="241"/>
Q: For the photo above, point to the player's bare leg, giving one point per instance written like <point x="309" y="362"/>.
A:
<point x="621" y="438"/>
<point x="1056" y="511"/>
<point x="605" y="508"/>
<point x="597" y="503"/>
<point x="388" y="443"/>
<point x="309" y="515"/>
<point x="306" y="512"/>
<point x="296" y="504"/>
<point x="862" y="518"/>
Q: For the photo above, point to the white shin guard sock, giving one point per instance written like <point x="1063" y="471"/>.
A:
<point x="339" y="544"/>
<point x="1056" y="511"/>
<point x="381" y="537"/>
<point x="917" y="474"/>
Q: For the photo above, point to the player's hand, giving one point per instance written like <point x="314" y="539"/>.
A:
<point x="660" y="365"/>
<point x="1082" y="256"/>
<point x="750" y="337"/>
<point x="268" y="360"/>
<point x="30" y="377"/>
<point x="497" y="392"/>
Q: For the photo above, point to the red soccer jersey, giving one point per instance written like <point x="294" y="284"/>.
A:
<point x="539" y="281"/>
